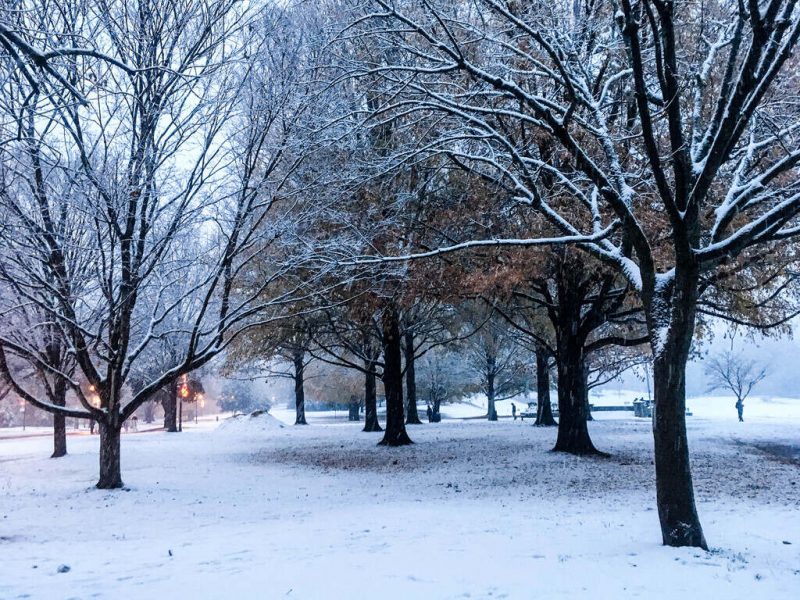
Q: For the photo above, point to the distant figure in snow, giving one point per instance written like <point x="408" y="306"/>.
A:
<point x="430" y="413"/>
<point x="734" y="373"/>
<point x="514" y="411"/>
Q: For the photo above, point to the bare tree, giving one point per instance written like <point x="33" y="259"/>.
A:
<point x="733" y="372"/>
<point x="351" y="336"/>
<point x="179" y="158"/>
<point x="444" y="377"/>
<point x="493" y="354"/>
<point x="280" y="350"/>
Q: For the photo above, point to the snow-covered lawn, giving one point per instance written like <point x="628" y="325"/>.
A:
<point x="473" y="509"/>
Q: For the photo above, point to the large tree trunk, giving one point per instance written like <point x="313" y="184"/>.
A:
<point x="299" y="392"/>
<point x="544" y="410"/>
<point x="110" y="472"/>
<point x="491" y="411"/>
<point x="412" y="416"/>
<point x="589" y="416"/>
<point x="395" y="432"/>
<point x="573" y="433"/>
<point x="59" y="421"/>
<point x="170" y="404"/>
<point x="680" y="525"/>
<point x="370" y="401"/>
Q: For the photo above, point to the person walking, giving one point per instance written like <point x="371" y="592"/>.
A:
<point x="514" y="411"/>
<point x="740" y="409"/>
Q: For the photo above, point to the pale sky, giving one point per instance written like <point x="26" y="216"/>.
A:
<point x="781" y="356"/>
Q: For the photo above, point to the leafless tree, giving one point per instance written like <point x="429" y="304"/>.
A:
<point x="494" y="354"/>
<point x="169" y="170"/>
<point x="732" y="372"/>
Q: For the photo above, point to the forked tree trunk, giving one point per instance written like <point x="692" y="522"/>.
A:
<point x="370" y="401"/>
<point x="299" y="392"/>
<point x="573" y="433"/>
<point x="544" y="410"/>
<point x="412" y="415"/>
<point x="677" y="512"/>
<point x="395" y="433"/>
<point x="110" y="471"/>
<point x="59" y="421"/>
<point x="170" y="404"/>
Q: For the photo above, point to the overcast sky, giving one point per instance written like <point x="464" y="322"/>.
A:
<point x="781" y="356"/>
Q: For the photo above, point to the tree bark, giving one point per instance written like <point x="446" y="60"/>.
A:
<point x="110" y="471"/>
<point x="395" y="433"/>
<point x="544" y="410"/>
<point x="370" y="401"/>
<point x="299" y="392"/>
<point x="491" y="412"/>
<point x="59" y="421"/>
<point x="170" y="404"/>
<point x="677" y="512"/>
<point x="412" y="415"/>
<point x="573" y="433"/>
<point x="588" y="409"/>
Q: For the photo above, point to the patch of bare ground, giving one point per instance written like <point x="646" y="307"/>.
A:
<point x="495" y="459"/>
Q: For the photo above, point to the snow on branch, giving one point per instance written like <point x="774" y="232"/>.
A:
<point x="494" y="243"/>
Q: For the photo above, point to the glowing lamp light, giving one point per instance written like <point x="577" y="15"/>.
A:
<point x="184" y="392"/>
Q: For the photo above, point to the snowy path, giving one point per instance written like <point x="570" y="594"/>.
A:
<point x="473" y="510"/>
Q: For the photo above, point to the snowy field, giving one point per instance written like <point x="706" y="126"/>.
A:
<point x="253" y="509"/>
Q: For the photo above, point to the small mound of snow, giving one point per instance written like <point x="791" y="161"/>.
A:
<point x="256" y="422"/>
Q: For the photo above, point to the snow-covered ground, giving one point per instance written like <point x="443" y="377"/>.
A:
<point x="253" y="509"/>
<point x="702" y="407"/>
